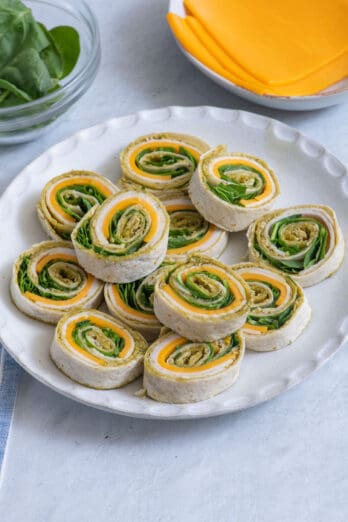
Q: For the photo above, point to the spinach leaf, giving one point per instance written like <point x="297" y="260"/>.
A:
<point x="51" y="55"/>
<point x="67" y="41"/>
<point x="232" y="193"/>
<point x="128" y="293"/>
<point x="16" y="22"/>
<point x="8" y="88"/>
<point x="28" y="72"/>
<point x="273" y="322"/>
<point x="37" y="37"/>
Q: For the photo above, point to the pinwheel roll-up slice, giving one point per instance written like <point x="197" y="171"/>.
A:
<point x="132" y="303"/>
<point x="124" y="239"/>
<point x="232" y="189"/>
<point x="304" y="241"/>
<point x="201" y="299"/>
<point x="47" y="282"/>
<point x="177" y="370"/>
<point x="188" y="230"/>
<point x="162" y="161"/>
<point x="65" y="199"/>
<point x="95" y="350"/>
<point x="279" y="310"/>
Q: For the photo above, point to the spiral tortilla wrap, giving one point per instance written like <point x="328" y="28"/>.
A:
<point x="279" y="310"/>
<point x="232" y="189"/>
<point x="177" y="370"/>
<point x="201" y="299"/>
<point x="162" y="161"/>
<point x="304" y="241"/>
<point x="95" y="350"/>
<point x="124" y="239"/>
<point x="47" y="282"/>
<point x="65" y="199"/>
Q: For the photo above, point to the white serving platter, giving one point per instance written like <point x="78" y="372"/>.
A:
<point x="307" y="172"/>
<point x="333" y="95"/>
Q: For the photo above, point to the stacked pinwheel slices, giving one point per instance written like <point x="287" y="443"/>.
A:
<point x="150" y="247"/>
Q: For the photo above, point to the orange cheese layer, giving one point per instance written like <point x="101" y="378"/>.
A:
<point x="251" y="276"/>
<point x="258" y="35"/>
<point x="204" y="239"/>
<point x="268" y="186"/>
<point x="154" y="145"/>
<point x="201" y="49"/>
<point x="81" y="180"/>
<point x="57" y="256"/>
<point x="101" y="323"/>
<point x="176" y="343"/>
<point x="137" y="314"/>
<point x="61" y="302"/>
<point x="238" y="297"/>
<point x="125" y="203"/>
<point x="258" y="328"/>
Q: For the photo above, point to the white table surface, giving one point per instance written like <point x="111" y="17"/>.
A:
<point x="286" y="460"/>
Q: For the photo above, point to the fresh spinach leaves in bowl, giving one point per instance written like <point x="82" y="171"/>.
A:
<point x="33" y="59"/>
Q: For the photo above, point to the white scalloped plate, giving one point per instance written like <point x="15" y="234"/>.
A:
<point x="307" y="174"/>
<point x="333" y="95"/>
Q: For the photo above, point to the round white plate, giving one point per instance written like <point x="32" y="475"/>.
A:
<point x="307" y="174"/>
<point x="331" y="96"/>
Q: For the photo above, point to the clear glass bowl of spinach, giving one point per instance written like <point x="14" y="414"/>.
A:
<point x="27" y="114"/>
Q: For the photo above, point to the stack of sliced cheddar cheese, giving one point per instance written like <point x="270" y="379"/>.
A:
<point x="281" y="48"/>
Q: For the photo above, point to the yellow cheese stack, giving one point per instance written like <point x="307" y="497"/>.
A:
<point x="288" y="48"/>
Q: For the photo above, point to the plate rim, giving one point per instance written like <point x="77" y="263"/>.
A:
<point x="325" y="351"/>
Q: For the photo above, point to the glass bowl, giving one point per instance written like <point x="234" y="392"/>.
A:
<point x="28" y="121"/>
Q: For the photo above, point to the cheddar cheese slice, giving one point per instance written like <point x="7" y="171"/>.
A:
<point x="276" y="42"/>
